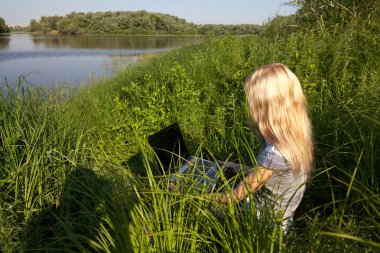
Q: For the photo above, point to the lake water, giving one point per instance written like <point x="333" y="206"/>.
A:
<point x="49" y="61"/>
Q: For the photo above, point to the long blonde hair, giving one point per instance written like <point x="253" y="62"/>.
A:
<point x="279" y="108"/>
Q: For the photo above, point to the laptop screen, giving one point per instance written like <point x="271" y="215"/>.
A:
<point x="169" y="146"/>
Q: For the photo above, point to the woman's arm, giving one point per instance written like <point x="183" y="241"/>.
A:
<point x="255" y="179"/>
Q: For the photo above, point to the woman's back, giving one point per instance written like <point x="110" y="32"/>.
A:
<point x="284" y="189"/>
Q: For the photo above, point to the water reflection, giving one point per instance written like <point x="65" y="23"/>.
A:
<point x="52" y="60"/>
<point x="114" y="42"/>
<point x="4" y="41"/>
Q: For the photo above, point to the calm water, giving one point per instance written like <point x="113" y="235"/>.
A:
<point x="54" y="60"/>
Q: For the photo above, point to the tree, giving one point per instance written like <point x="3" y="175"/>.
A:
<point x="68" y="27"/>
<point x="34" y="26"/>
<point x="333" y="13"/>
<point x="48" y="24"/>
<point x="283" y="25"/>
<point x="3" y="27"/>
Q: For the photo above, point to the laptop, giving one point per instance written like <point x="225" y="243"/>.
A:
<point x="173" y="154"/>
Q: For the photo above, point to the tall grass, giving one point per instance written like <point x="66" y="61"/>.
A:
<point x="37" y="151"/>
<point x="78" y="175"/>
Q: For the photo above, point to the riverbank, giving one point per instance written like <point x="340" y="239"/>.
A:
<point x="78" y="174"/>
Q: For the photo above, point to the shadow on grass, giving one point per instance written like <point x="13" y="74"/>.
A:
<point x="83" y="217"/>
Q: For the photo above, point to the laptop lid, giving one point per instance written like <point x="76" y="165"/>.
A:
<point x="169" y="146"/>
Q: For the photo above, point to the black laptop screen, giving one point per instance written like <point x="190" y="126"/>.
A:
<point x="169" y="146"/>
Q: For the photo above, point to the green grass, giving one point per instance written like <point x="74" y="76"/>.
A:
<point x="77" y="173"/>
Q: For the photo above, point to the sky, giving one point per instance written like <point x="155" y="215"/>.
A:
<point x="20" y="12"/>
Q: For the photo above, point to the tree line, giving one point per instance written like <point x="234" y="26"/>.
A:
<point x="311" y="14"/>
<point x="127" y="22"/>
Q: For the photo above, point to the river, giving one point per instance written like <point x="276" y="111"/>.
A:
<point x="50" y="61"/>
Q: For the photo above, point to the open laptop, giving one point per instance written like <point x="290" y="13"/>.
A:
<point x="172" y="153"/>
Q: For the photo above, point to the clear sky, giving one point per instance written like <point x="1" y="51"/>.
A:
<point x="20" y="12"/>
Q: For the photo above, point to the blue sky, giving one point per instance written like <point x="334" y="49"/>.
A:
<point x="20" y="12"/>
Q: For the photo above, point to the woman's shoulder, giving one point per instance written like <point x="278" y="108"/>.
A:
<point x="270" y="150"/>
<point x="271" y="158"/>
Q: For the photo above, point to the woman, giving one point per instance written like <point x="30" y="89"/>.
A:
<point x="278" y="109"/>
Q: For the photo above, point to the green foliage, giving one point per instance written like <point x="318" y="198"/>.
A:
<point x="281" y="25"/>
<point x="33" y="26"/>
<point x="3" y="26"/>
<point x="210" y="29"/>
<point x="338" y="14"/>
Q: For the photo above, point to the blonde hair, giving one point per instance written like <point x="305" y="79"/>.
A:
<point x="279" y="108"/>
